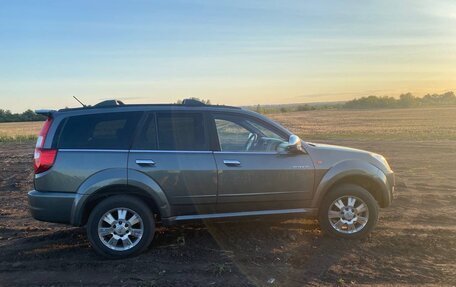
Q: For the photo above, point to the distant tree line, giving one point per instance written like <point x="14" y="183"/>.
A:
<point x="404" y="101"/>
<point x="274" y="109"/>
<point x="371" y="102"/>
<point x="27" y="116"/>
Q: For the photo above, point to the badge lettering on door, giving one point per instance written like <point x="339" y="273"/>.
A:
<point x="301" y="166"/>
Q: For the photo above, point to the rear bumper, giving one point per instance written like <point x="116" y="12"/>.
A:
<point x="51" y="206"/>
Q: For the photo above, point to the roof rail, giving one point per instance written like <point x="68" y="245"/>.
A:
<point x="192" y="102"/>
<point x="110" y="103"/>
<point x="117" y="103"/>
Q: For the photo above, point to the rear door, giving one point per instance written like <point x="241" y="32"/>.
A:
<point x="173" y="149"/>
<point x="253" y="174"/>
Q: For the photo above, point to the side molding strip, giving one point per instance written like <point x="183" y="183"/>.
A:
<point x="91" y="150"/>
<point x="242" y="213"/>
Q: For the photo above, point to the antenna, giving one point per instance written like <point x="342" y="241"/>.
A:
<point x="79" y="101"/>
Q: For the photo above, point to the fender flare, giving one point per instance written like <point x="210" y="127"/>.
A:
<point x="118" y="177"/>
<point x="152" y="188"/>
<point x="350" y="168"/>
<point x="97" y="181"/>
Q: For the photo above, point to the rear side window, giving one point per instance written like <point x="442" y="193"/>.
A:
<point x="147" y="138"/>
<point x="99" y="131"/>
<point x="181" y="131"/>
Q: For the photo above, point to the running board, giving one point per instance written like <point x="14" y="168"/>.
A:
<point x="243" y="213"/>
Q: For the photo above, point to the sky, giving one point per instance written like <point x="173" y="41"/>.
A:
<point x="234" y="52"/>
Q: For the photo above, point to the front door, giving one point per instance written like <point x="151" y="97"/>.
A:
<point x="173" y="149"/>
<point x="253" y="173"/>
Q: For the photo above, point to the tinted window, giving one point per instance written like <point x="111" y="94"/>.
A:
<point x="181" y="131"/>
<point x="99" y="131"/>
<point x="147" y="137"/>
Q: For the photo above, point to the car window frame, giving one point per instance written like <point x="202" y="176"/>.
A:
<point x="56" y="141"/>
<point x="235" y="117"/>
<point x="156" y="113"/>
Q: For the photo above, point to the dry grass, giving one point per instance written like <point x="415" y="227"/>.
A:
<point x="23" y="131"/>
<point x="386" y="124"/>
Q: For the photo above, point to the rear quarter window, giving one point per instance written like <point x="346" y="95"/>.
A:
<point x="99" y="131"/>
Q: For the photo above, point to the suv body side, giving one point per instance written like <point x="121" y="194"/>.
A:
<point x="183" y="184"/>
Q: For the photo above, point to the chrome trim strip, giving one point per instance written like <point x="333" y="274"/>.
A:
<point x="169" y="151"/>
<point x="242" y="213"/>
<point x="196" y="196"/>
<point x="92" y="150"/>
<point x="161" y="151"/>
<point x="258" y="193"/>
<point x="245" y="152"/>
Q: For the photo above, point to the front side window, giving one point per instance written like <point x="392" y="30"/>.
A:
<point x="245" y="135"/>
<point x="99" y="131"/>
<point x="232" y="136"/>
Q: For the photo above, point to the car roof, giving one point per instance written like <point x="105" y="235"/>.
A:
<point x="116" y="105"/>
<point x="147" y="107"/>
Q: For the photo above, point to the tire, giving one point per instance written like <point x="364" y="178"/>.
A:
<point x="353" y="220"/>
<point x="134" y="224"/>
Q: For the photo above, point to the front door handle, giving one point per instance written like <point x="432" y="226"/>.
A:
<point x="230" y="162"/>
<point x="143" y="162"/>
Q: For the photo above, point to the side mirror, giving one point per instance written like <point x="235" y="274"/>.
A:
<point x="294" y="144"/>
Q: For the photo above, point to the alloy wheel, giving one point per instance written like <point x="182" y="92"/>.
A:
<point x="120" y="229"/>
<point x="348" y="214"/>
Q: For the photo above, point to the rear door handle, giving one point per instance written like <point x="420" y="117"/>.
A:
<point x="229" y="162"/>
<point x="143" y="162"/>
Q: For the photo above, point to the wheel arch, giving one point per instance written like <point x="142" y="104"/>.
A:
<point x="359" y="173"/>
<point x="140" y="186"/>
<point x="87" y="203"/>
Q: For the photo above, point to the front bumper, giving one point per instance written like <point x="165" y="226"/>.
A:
<point x="391" y="181"/>
<point x="51" y="206"/>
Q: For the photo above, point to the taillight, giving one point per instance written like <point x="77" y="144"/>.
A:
<point x="44" y="158"/>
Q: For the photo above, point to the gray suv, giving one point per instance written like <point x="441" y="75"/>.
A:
<point x="120" y="169"/>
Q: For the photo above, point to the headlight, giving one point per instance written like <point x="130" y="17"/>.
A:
<point x="381" y="159"/>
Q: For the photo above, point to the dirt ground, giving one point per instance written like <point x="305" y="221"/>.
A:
<point x="414" y="243"/>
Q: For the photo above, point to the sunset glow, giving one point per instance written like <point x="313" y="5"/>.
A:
<point x="231" y="52"/>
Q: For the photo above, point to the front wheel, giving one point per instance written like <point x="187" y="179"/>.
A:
<point x="348" y="211"/>
<point x="120" y="226"/>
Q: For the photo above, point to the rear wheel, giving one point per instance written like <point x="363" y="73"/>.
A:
<point x="348" y="211"/>
<point x="120" y="226"/>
